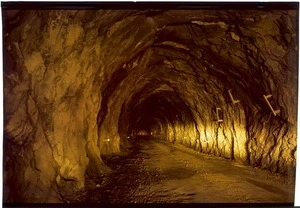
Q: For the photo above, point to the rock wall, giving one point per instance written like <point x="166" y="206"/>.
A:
<point x="79" y="83"/>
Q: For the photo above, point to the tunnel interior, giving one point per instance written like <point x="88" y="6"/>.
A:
<point x="82" y="84"/>
<point x="158" y="111"/>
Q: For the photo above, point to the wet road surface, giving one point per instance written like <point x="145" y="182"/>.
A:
<point x="157" y="171"/>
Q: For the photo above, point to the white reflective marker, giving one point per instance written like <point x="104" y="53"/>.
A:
<point x="275" y="112"/>
<point x="231" y="97"/>
<point x="218" y="116"/>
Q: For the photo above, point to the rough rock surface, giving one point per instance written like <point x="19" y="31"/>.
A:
<point x="79" y="84"/>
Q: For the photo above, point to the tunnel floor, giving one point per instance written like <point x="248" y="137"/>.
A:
<point x="156" y="171"/>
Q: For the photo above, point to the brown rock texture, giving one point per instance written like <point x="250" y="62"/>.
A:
<point x="79" y="84"/>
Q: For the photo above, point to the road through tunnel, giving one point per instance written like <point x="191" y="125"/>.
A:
<point x="162" y="115"/>
<point x="84" y="84"/>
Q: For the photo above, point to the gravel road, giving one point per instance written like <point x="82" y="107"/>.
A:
<point x="156" y="171"/>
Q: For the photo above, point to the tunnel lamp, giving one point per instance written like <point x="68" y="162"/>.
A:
<point x="231" y="97"/>
<point x="219" y="119"/>
<point x="275" y="112"/>
<point x="106" y="140"/>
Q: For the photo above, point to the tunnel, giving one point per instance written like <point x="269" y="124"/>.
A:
<point x="93" y="92"/>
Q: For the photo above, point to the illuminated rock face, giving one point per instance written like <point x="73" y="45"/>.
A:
<point x="78" y="84"/>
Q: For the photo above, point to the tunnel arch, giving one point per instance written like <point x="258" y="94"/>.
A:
<point x="79" y="79"/>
